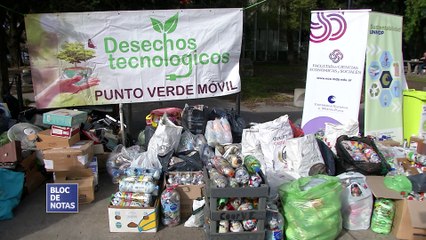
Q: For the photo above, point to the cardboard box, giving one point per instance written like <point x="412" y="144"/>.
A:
<point x="78" y="155"/>
<point x="94" y="166"/>
<point x="65" y="132"/>
<point x="33" y="177"/>
<point x="64" y="117"/>
<point x="133" y="219"/>
<point x="187" y="194"/>
<point x="10" y="154"/>
<point x="84" y="178"/>
<point x="418" y="143"/>
<point x="46" y="141"/>
<point x="410" y="215"/>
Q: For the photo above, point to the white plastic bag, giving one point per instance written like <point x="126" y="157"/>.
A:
<point x="250" y="145"/>
<point x="357" y="201"/>
<point x="267" y="141"/>
<point x="165" y="139"/>
<point x="333" y="131"/>
<point x="197" y="217"/>
<point x="303" y="157"/>
<point x="218" y="132"/>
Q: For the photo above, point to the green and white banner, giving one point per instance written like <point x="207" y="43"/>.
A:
<point x="96" y="58"/>
<point x="384" y="74"/>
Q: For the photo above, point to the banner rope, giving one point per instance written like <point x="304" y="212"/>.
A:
<point x="253" y="5"/>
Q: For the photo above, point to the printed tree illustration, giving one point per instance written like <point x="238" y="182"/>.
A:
<point x="74" y="52"/>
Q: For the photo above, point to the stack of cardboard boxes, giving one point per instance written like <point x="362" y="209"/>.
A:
<point x="65" y="154"/>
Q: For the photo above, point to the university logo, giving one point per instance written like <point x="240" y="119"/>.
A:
<point x="336" y="56"/>
<point x="331" y="26"/>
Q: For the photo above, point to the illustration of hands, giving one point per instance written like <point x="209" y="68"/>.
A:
<point x="70" y="86"/>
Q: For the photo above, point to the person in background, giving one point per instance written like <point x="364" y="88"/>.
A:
<point x="423" y="64"/>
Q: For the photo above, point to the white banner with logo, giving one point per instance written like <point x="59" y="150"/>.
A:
<point x="98" y="58"/>
<point x="335" y="68"/>
<point x="384" y="80"/>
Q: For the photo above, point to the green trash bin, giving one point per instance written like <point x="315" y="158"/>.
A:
<point x="413" y="104"/>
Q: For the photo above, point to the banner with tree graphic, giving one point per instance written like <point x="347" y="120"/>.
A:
<point x="97" y="58"/>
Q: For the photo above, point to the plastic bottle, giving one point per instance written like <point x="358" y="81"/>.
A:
<point x="241" y="175"/>
<point x="383" y="213"/>
<point x="220" y="180"/>
<point x="223" y="166"/>
<point x="170" y="207"/>
<point x="274" y="223"/>
<point x="252" y="164"/>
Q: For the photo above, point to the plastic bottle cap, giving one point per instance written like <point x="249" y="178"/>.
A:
<point x="256" y="169"/>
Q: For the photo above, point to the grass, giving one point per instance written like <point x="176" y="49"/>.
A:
<point x="275" y="82"/>
<point x="272" y="82"/>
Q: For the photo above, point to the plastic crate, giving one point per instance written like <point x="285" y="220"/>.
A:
<point x="250" y="192"/>
<point x="211" y="230"/>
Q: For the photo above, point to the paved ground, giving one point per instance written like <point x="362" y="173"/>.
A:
<point x="31" y="221"/>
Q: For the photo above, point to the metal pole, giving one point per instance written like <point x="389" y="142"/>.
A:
<point x="123" y="134"/>
<point x="19" y="91"/>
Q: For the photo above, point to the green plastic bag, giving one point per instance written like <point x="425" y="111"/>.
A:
<point x="311" y="207"/>
<point x="399" y="183"/>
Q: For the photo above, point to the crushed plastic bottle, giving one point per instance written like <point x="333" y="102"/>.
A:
<point x="220" y="180"/>
<point x="223" y="166"/>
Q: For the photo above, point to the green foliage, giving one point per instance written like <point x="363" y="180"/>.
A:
<point x="415" y="12"/>
<point x="75" y="53"/>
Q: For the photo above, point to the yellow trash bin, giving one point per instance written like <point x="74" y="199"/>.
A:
<point x="413" y="106"/>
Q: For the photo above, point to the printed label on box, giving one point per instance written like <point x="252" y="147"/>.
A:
<point x="61" y="198"/>
<point x="48" y="164"/>
<point x="83" y="159"/>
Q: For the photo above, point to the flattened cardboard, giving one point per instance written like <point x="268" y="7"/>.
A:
<point x="78" y="155"/>
<point x="85" y="180"/>
<point x="11" y="152"/>
<point x="46" y="141"/>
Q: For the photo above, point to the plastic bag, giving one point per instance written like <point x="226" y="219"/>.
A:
<point x="360" y="154"/>
<point x="333" y="131"/>
<point x="197" y="217"/>
<point x="165" y="139"/>
<point x="383" y="213"/>
<point x="399" y="183"/>
<point x="194" y="118"/>
<point x="357" y="201"/>
<point x="121" y="159"/>
<point x="11" y="185"/>
<point x="218" y="132"/>
<point x="250" y="145"/>
<point x="186" y="142"/>
<point x="311" y="207"/>
<point x="303" y="157"/>
<point x="328" y="156"/>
